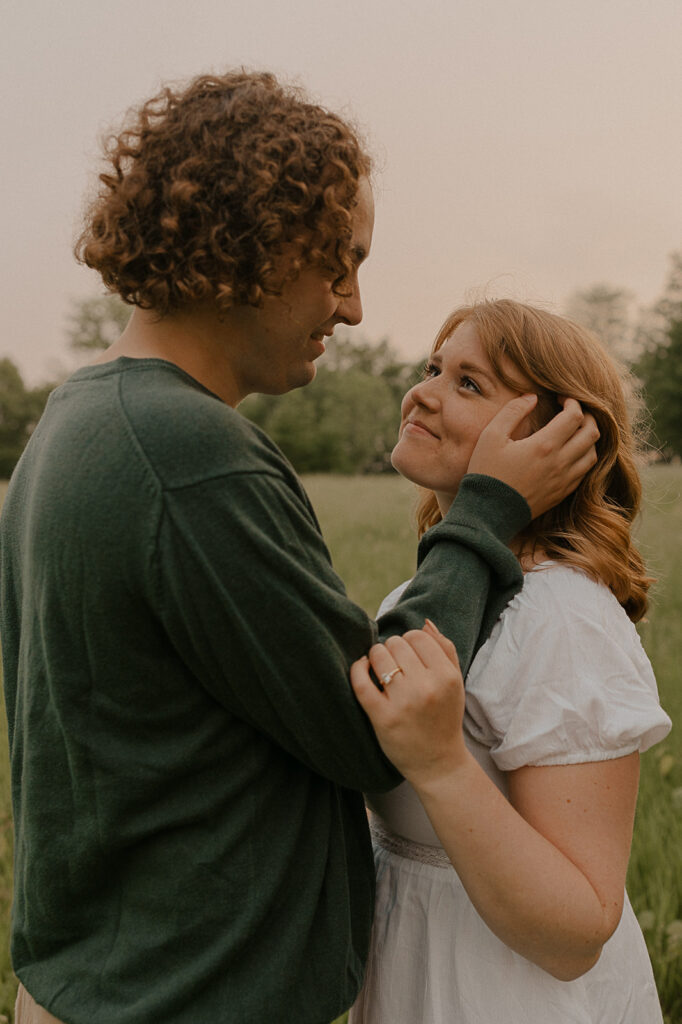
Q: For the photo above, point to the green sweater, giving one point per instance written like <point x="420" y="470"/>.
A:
<point x="187" y="755"/>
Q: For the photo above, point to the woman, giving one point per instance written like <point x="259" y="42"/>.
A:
<point x="527" y="785"/>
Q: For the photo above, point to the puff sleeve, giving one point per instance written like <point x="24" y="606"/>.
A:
<point x="563" y="678"/>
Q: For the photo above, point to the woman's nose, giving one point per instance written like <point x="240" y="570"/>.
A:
<point x="424" y="393"/>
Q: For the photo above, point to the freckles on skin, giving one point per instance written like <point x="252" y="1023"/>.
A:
<point x="460" y="395"/>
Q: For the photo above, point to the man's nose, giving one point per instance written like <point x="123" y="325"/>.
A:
<point x="349" y="310"/>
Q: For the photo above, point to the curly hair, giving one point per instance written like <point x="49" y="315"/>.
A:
<point x="591" y="528"/>
<point x="207" y="186"/>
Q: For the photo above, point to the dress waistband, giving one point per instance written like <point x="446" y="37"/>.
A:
<point x="433" y="855"/>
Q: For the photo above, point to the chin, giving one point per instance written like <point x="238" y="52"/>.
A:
<point x="307" y="375"/>
<point x="406" y="466"/>
<point x="298" y="378"/>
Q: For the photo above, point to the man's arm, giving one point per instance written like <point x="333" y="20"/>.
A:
<point x="256" y="611"/>
<point x="467" y="573"/>
<point x="253" y="604"/>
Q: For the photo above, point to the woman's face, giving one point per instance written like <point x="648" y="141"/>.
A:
<point x="443" y="416"/>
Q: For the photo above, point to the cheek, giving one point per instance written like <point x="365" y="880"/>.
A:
<point x="464" y="426"/>
<point x="406" y="406"/>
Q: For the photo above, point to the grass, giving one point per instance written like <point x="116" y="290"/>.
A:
<point x="367" y="523"/>
<point x="7" y="980"/>
<point x="655" y="875"/>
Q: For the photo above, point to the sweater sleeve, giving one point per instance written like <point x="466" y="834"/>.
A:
<point x="250" y="598"/>
<point x="467" y="574"/>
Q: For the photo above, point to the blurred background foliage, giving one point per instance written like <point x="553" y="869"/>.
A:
<point x="347" y="422"/>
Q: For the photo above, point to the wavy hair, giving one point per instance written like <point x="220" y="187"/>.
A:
<point x="206" y="186"/>
<point x="592" y="528"/>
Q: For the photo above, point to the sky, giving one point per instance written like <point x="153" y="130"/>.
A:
<point x="525" y="148"/>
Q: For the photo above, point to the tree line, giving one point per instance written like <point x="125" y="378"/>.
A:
<point x="346" y="422"/>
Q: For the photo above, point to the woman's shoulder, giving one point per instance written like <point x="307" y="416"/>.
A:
<point x="563" y="676"/>
<point x="557" y="596"/>
<point x="563" y="609"/>
<point x="559" y="582"/>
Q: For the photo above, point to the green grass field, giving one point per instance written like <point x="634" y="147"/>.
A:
<point x="367" y="523"/>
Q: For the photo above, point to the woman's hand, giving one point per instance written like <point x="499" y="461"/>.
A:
<point x="546" y="871"/>
<point x="544" y="467"/>
<point x="418" y="715"/>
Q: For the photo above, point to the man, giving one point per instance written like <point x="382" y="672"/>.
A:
<point x="187" y="755"/>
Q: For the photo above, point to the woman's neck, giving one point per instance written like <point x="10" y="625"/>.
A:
<point x="529" y="553"/>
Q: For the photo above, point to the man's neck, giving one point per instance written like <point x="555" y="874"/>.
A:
<point x="197" y="342"/>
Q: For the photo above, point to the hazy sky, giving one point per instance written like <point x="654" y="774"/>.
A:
<point x="528" y="147"/>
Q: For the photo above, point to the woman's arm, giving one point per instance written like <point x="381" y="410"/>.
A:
<point x="545" y="870"/>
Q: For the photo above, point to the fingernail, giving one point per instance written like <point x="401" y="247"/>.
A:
<point x="432" y="625"/>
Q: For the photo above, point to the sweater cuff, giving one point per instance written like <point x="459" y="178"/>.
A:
<point x="484" y="502"/>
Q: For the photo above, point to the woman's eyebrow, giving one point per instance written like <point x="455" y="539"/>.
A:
<point x="475" y="368"/>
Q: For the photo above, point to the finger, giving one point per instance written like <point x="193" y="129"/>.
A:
<point x="403" y="653"/>
<point x="511" y="415"/>
<point x="582" y="441"/>
<point x="572" y="405"/>
<point x="590" y="428"/>
<point x="394" y="652"/>
<point x="446" y="645"/>
<point x="561" y="427"/>
<point x="384" y="664"/>
<point x="435" y="655"/>
<point x="366" y="692"/>
<point x="587" y="423"/>
<point x="578" y="469"/>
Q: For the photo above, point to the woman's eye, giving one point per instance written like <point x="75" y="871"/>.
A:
<point x="469" y="385"/>
<point x="430" y="370"/>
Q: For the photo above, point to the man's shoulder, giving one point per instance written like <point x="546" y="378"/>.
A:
<point x="187" y="433"/>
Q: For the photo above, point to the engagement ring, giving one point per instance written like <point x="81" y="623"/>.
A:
<point x="387" y="676"/>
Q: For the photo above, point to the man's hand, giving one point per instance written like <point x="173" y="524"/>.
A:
<point x="544" y="467"/>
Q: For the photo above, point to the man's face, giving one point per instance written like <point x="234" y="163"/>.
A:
<point x="286" y="334"/>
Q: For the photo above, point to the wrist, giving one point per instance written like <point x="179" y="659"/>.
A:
<point x="491" y="503"/>
<point x="443" y="776"/>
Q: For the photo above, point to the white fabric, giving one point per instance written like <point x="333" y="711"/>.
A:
<point x="563" y="679"/>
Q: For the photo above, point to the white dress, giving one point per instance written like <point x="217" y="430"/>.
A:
<point x="563" y="679"/>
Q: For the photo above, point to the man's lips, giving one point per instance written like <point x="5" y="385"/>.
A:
<point x="419" y="428"/>
<point x="318" y="337"/>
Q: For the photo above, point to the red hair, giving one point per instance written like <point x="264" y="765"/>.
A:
<point x="592" y="528"/>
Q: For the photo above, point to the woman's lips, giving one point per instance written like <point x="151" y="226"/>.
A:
<point x="418" y="429"/>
